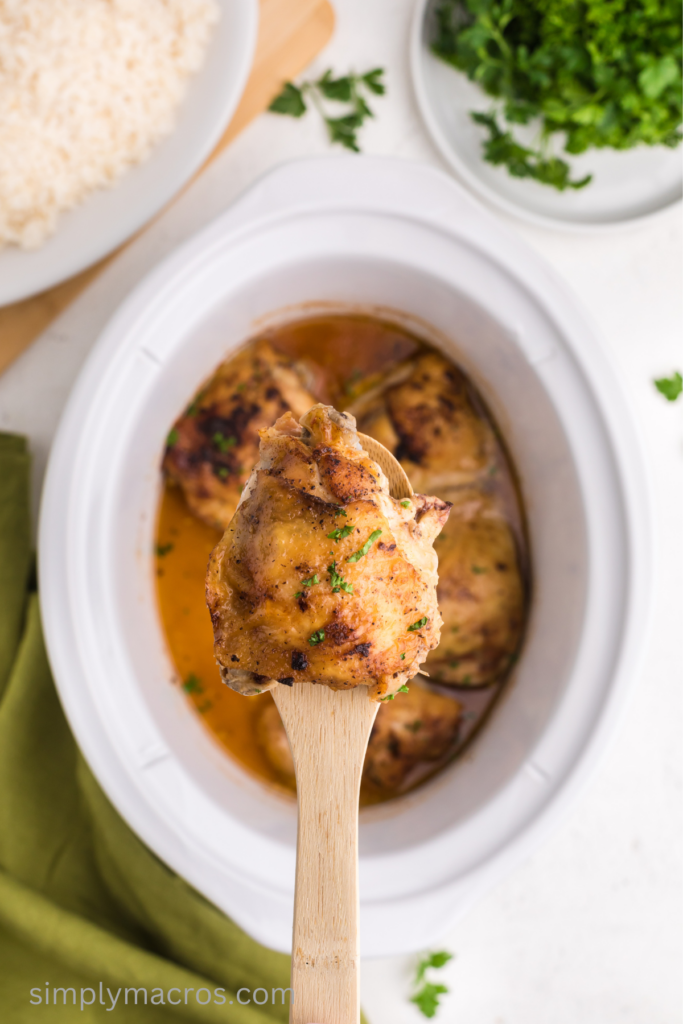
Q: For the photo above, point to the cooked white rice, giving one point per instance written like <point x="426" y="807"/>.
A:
<point x="87" y="87"/>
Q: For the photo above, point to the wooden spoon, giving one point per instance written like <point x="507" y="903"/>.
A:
<point x="328" y="732"/>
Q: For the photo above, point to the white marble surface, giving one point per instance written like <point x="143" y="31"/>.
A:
<point x="587" y="930"/>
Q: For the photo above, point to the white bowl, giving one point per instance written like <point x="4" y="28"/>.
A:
<point x="629" y="187"/>
<point x="359" y="233"/>
<point x="108" y="217"/>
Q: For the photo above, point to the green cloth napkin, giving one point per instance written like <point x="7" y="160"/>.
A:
<point x="83" y="903"/>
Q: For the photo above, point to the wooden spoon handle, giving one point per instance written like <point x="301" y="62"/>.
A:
<point x="328" y="732"/>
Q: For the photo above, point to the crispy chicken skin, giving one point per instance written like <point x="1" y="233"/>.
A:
<point x="321" y="575"/>
<point x="415" y="727"/>
<point x="424" y="414"/>
<point x="214" y="444"/>
<point x="480" y="594"/>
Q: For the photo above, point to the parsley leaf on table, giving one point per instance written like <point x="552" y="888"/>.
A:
<point x="670" y="387"/>
<point x="290" y="101"/>
<point x="436" y="960"/>
<point x="347" y="89"/>
<point x="426" y="998"/>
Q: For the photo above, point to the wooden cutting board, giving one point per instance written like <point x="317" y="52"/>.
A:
<point x="291" y="33"/>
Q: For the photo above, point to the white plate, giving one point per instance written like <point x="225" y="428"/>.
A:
<point x="627" y="188"/>
<point x="109" y="216"/>
<point x="356" y="233"/>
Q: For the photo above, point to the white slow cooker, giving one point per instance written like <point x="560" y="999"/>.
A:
<point x="349" y="233"/>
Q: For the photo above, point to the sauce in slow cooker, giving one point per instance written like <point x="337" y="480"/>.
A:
<point x="351" y="350"/>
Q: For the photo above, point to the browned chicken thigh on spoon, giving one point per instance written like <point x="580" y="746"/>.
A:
<point x="322" y="576"/>
<point x="214" y="444"/>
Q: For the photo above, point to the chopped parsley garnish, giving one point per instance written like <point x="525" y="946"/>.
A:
<point x="317" y="637"/>
<point x="478" y="570"/>
<point x="172" y="437"/>
<point x="406" y="504"/>
<point x="192" y="684"/>
<point x="222" y="442"/>
<point x="340" y="511"/>
<point x="163" y="549"/>
<point x="348" y="90"/>
<point x="414" y="726"/>
<point x="311" y="582"/>
<point x="403" y="657"/>
<point x="223" y="472"/>
<point x="670" y="387"/>
<point x="427" y="996"/>
<point x="357" y="555"/>
<point x="418" y="625"/>
<point x="337" y="582"/>
<point x="345" y="531"/>
<point x="401" y="689"/>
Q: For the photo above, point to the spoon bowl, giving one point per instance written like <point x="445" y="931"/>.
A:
<point x="399" y="484"/>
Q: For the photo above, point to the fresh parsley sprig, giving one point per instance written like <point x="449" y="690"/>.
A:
<point x="350" y="90"/>
<point x="591" y="74"/>
<point x="426" y="998"/>
<point x="501" y="148"/>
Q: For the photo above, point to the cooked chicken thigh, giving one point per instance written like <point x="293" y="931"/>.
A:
<point x="322" y="576"/>
<point x="424" y="414"/>
<point x="214" y="444"/>
<point x="415" y="727"/>
<point x="480" y="594"/>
